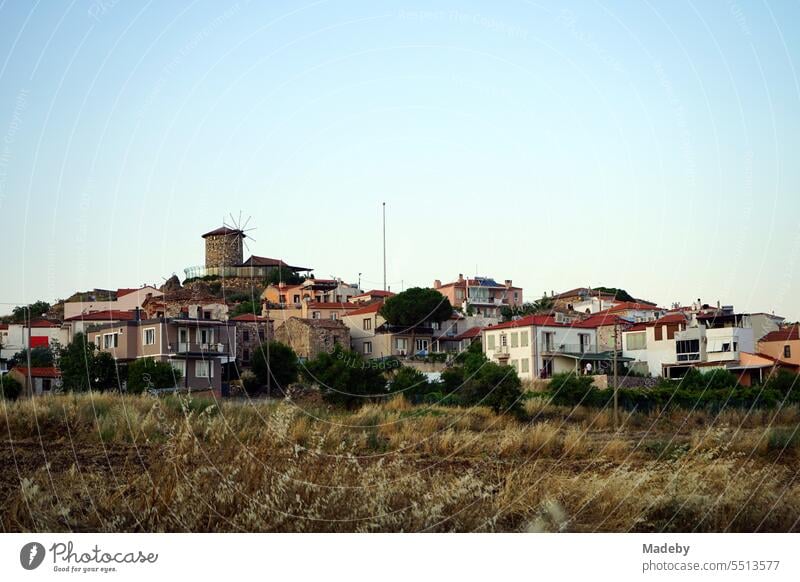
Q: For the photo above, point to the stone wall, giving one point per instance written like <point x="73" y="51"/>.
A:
<point x="310" y="337"/>
<point x="224" y="250"/>
<point x="250" y="335"/>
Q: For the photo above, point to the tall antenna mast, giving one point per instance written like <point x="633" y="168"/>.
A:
<point x="384" y="246"/>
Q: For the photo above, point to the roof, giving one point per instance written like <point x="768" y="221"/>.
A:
<point x="128" y="290"/>
<point x="3" y="326"/>
<point x="601" y="319"/>
<point x="785" y="334"/>
<point x="469" y="334"/>
<point x="224" y="231"/>
<point x="478" y="282"/>
<point x="43" y="372"/>
<point x="330" y="305"/>
<point x="108" y="315"/>
<point x="632" y="306"/>
<point x="374" y="293"/>
<point x="371" y="308"/>
<point x="256" y="261"/>
<point x="528" y="321"/>
<point x="578" y="291"/>
<point x="44" y="323"/>
<point x="251" y="317"/>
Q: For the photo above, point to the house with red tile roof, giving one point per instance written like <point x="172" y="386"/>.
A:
<point x="83" y="323"/>
<point x="43" y="333"/>
<point x="372" y="337"/>
<point x="36" y="381"/>
<point x="782" y="344"/>
<point x="538" y="346"/>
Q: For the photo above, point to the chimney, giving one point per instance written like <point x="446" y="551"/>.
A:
<point x="437" y="284"/>
<point x="137" y="316"/>
<point x="461" y="277"/>
<point x="508" y="283"/>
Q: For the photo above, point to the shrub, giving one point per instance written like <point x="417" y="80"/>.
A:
<point x="411" y="383"/>
<point x="147" y="373"/>
<point x="783" y="439"/>
<point x="495" y="386"/>
<point x="9" y="387"/>
<point x="784" y="383"/>
<point x="345" y="378"/>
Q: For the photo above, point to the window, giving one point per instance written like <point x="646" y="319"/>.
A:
<point x="206" y="315"/>
<point x="367" y="323"/>
<point x="245" y="355"/>
<point x="524" y="365"/>
<point x="180" y="366"/>
<point x="523" y="339"/>
<point x="110" y="340"/>
<point x="97" y="341"/>
<point x="316" y="315"/>
<point x="514" y="339"/>
<point x="245" y="336"/>
<point x="489" y="341"/>
<point x="261" y="334"/>
<point x="296" y="299"/>
<point x="503" y="339"/>
<point x="787" y="351"/>
<point x="688" y="350"/>
<point x="150" y="336"/>
<point x="549" y="338"/>
<point x="204" y="369"/>
<point x="334" y="316"/>
<point x="367" y="347"/>
<point x="282" y="299"/>
<point x="658" y="330"/>
<point x="205" y="336"/>
<point x="515" y="364"/>
<point x="636" y="341"/>
<point x="422" y="345"/>
<point x="183" y="335"/>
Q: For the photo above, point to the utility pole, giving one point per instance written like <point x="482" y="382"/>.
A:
<point x="28" y="351"/>
<point x="616" y="382"/>
<point x="384" y="246"/>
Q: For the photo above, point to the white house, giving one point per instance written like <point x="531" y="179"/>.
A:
<point x="126" y="300"/>
<point x="538" y="346"/>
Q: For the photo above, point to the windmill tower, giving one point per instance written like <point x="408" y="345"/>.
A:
<point x="225" y="245"/>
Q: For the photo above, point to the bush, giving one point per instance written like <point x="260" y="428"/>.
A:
<point x="783" y="439"/>
<point x="411" y="383"/>
<point x="345" y="378"/>
<point x="784" y="383"/>
<point x="280" y="370"/>
<point x="147" y="373"/>
<point x="495" y="386"/>
<point x="10" y="389"/>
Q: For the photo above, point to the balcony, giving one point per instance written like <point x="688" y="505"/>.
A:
<point x="574" y="349"/>
<point x="196" y="348"/>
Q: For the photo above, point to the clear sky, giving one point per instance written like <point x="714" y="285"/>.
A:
<point x="646" y="145"/>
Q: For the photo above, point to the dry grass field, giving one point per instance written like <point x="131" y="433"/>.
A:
<point x="109" y="463"/>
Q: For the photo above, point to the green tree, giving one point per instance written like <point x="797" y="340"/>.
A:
<point x="41" y="357"/>
<point x="37" y="309"/>
<point x="345" y="378"/>
<point x="414" y="307"/>
<point x="543" y="305"/>
<point x="104" y="372"/>
<point x="246" y="307"/>
<point x="495" y="386"/>
<point x="784" y="383"/>
<point x="275" y="364"/>
<point x="283" y="275"/>
<point x="148" y="373"/>
<point x="10" y="389"/>
<point x="76" y="363"/>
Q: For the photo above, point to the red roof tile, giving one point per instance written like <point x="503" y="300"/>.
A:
<point x="108" y="315"/>
<point x="45" y="323"/>
<point x="223" y="230"/>
<point x="374" y="293"/>
<point x="330" y="305"/>
<point x="470" y="333"/>
<point x="785" y="334"/>
<point x="371" y="308"/>
<point x="48" y="372"/>
<point x="252" y="317"/>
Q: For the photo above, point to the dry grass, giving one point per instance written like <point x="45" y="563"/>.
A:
<point x="108" y="463"/>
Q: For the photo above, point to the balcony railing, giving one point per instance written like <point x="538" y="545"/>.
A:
<point x="575" y="349"/>
<point x="200" y="348"/>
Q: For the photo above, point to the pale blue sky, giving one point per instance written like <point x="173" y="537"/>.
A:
<point x="652" y="146"/>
